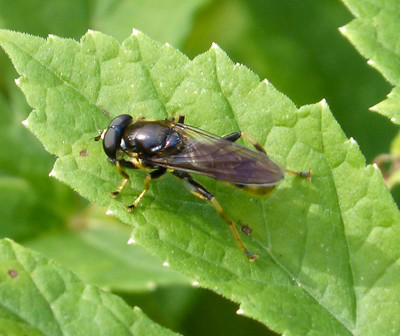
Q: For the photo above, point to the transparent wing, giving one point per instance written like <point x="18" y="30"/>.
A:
<point x="209" y="155"/>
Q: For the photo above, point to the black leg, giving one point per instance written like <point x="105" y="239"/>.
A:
<point x="181" y="119"/>
<point x="151" y="176"/>
<point x="198" y="190"/>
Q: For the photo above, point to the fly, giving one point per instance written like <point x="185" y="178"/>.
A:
<point x="169" y="146"/>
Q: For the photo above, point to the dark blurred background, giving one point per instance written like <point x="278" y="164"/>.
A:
<point x="295" y="44"/>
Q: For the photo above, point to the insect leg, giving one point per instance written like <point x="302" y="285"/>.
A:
<point x="118" y="165"/>
<point x="181" y="119"/>
<point x="198" y="190"/>
<point x="255" y="144"/>
<point x="260" y="148"/>
<point x="306" y="175"/>
<point x="236" y="135"/>
<point x="233" y="136"/>
<point x="151" y="176"/>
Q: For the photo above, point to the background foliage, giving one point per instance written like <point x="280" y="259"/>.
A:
<point x="295" y="44"/>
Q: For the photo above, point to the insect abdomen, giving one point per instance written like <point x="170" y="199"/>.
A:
<point x="258" y="190"/>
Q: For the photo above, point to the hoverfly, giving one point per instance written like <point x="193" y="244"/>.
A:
<point x="169" y="146"/>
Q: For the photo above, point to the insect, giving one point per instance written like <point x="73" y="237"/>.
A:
<point x="172" y="146"/>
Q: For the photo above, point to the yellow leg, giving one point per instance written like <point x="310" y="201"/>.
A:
<point x="221" y="212"/>
<point x="151" y="176"/>
<point x="255" y="144"/>
<point x="124" y="181"/>
<point x="198" y="190"/>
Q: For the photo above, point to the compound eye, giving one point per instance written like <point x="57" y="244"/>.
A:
<point x="113" y="135"/>
<point x="121" y="121"/>
<point x="111" y="142"/>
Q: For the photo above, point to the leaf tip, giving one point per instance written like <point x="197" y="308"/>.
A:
<point x="151" y="285"/>
<point x="17" y="81"/>
<point x="131" y="241"/>
<point x="375" y="165"/>
<point x="240" y="311"/>
<point x="137" y="309"/>
<point x="195" y="283"/>
<point x="52" y="173"/>
<point x="371" y="62"/>
<point x="215" y="46"/>
<point x="266" y="81"/>
<point x="352" y="141"/>
<point x="136" y="32"/>
<point x="323" y="102"/>
<point x="25" y="122"/>
<point x="393" y="119"/>
<point x="343" y="30"/>
<point x="374" y="108"/>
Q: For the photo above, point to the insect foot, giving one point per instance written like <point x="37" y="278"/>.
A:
<point x="130" y="207"/>
<point x="307" y="175"/>
<point x="252" y="256"/>
<point x="114" y="194"/>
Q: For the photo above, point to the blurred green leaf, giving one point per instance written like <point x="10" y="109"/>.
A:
<point x="96" y="249"/>
<point x="389" y="164"/>
<point x="374" y="32"/>
<point x="327" y="266"/>
<point x="167" y="20"/>
<point x="63" y="305"/>
<point x="30" y="202"/>
<point x="171" y="306"/>
<point x="66" y="18"/>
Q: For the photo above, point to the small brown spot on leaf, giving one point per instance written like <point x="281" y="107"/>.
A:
<point x="105" y="112"/>
<point x="13" y="273"/>
<point x="246" y="230"/>
<point x="83" y="153"/>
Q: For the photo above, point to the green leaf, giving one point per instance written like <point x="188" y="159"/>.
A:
<point x="40" y="297"/>
<point x="374" y="32"/>
<point x="151" y="16"/>
<point x="27" y="194"/>
<point x="328" y="248"/>
<point x="96" y="249"/>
